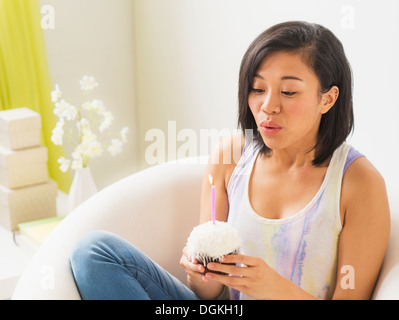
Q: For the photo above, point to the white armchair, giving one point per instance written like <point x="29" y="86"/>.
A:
<point x="155" y="209"/>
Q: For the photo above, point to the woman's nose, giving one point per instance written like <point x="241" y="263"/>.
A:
<point x="271" y="104"/>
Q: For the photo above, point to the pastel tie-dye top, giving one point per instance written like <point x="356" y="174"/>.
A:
<point x="302" y="247"/>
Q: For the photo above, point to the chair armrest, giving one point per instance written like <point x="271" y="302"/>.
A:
<point x="154" y="209"/>
<point x="387" y="286"/>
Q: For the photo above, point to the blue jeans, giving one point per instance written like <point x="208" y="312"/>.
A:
<point x="106" y="267"/>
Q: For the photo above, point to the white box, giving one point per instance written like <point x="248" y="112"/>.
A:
<point x="27" y="204"/>
<point x="19" y="128"/>
<point x="24" y="167"/>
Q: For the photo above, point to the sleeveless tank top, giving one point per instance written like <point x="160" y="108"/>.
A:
<point x="303" y="247"/>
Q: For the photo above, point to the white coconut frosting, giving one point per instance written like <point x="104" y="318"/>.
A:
<point x="213" y="240"/>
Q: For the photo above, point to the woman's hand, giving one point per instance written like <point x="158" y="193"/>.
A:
<point x="256" y="278"/>
<point x="194" y="270"/>
<point x="195" y="278"/>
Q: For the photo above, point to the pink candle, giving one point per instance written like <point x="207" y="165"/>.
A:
<point x="213" y="189"/>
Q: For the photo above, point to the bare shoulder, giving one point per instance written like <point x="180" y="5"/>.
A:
<point x="220" y="166"/>
<point x="228" y="151"/>
<point x="225" y="156"/>
<point x="362" y="177"/>
<point x="364" y="187"/>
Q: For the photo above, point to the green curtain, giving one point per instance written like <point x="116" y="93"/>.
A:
<point x="24" y="74"/>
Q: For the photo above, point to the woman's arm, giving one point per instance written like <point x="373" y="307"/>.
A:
<point x="366" y="226"/>
<point x="220" y="165"/>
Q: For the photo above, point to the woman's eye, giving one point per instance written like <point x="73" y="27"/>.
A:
<point x="257" y="90"/>
<point x="288" y="93"/>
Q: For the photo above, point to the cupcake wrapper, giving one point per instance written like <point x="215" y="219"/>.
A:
<point x="204" y="260"/>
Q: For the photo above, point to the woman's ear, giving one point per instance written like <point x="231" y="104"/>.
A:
<point x="329" y="98"/>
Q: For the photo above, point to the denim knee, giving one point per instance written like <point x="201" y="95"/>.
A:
<point x="83" y="250"/>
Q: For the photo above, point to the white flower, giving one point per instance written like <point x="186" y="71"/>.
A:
<point x="124" y="133"/>
<point x="85" y="130"/>
<point x="77" y="164"/>
<point x="90" y="148"/>
<point x="65" y="110"/>
<point x="58" y="133"/>
<point x="56" y="137"/>
<point x="93" y="148"/>
<point x="88" y="116"/>
<point x="56" y="94"/>
<point x="95" y="105"/>
<point x="108" y="118"/>
<point x="88" y="83"/>
<point x="60" y="123"/>
<point x="115" y="147"/>
<point x="64" y="164"/>
<point x="88" y="136"/>
<point x="60" y="107"/>
<point x="83" y="124"/>
<point x="77" y="153"/>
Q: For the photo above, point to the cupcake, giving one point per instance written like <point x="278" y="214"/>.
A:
<point x="210" y="241"/>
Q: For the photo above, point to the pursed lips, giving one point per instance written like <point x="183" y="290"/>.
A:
<point x="270" y="127"/>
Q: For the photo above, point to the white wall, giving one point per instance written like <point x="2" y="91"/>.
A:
<point x="188" y="55"/>
<point x="95" y="37"/>
<point x="178" y="60"/>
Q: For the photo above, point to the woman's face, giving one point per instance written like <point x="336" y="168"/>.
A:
<point x="286" y="103"/>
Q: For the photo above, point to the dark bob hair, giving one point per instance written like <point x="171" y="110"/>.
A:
<point x="324" y="54"/>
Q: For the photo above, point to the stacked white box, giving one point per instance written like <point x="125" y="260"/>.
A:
<point x="19" y="128"/>
<point x="26" y="192"/>
<point x="27" y="204"/>
<point x="23" y="168"/>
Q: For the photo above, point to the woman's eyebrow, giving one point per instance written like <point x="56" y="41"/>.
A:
<point x="257" y="75"/>
<point x="291" y="78"/>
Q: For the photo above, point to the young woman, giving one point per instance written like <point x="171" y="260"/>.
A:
<point x="311" y="210"/>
